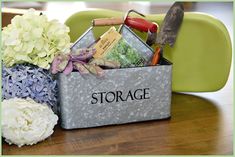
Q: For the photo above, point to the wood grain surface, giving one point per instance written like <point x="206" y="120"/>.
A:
<point x="197" y="126"/>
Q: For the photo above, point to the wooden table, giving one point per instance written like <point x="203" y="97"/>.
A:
<point x="197" y="126"/>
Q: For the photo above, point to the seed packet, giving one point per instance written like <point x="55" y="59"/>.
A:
<point x="112" y="46"/>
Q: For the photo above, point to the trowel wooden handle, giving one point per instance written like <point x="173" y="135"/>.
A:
<point x="107" y="21"/>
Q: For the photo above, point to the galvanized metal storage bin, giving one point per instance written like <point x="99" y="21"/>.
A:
<point x="121" y="96"/>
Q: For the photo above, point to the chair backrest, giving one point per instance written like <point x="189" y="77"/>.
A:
<point x="201" y="55"/>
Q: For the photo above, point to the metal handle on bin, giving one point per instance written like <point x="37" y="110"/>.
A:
<point x="140" y="24"/>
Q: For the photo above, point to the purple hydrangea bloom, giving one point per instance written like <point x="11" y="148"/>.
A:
<point x="24" y="81"/>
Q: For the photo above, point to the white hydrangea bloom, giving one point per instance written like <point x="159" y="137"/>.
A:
<point x="25" y="122"/>
<point x="32" y="38"/>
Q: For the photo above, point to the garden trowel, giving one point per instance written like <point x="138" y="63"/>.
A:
<point x="168" y="30"/>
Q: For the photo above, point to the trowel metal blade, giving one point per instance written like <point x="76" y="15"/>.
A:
<point x="171" y="24"/>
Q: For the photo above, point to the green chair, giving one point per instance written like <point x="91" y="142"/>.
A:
<point x="201" y="56"/>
